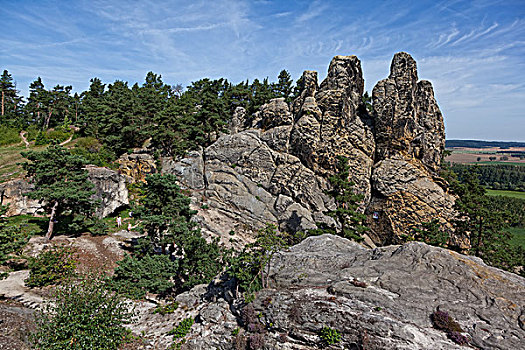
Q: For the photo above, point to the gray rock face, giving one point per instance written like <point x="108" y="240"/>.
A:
<point x="320" y="283"/>
<point x="110" y="190"/>
<point x="244" y="181"/>
<point x="12" y="194"/>
<point x="274" y="165"/>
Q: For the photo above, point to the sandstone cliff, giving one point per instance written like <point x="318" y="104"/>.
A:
<point x="273" y="166"/>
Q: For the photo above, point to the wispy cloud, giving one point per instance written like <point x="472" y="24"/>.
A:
<point x="473" y="51"/>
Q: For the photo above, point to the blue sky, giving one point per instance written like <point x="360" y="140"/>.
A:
<point x="472" y="51"/>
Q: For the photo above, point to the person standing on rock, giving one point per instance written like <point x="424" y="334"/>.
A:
<point x="119" y="221"/>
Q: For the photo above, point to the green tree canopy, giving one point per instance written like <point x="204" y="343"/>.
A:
<point x="61" y="182"/>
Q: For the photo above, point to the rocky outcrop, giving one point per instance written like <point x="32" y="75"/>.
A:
<point x="137" y="165"/>
<point x="244" y="181"/>
<point x="12" y="194"/>
<point x="110" y="189"/>
<point x="274" y="165"/>
<point x="377" y="299"/>
<point x="410" y="140"/>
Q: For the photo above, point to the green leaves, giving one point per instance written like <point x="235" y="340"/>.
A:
<point x="347" y="202"/>
<point x="134" y="276"/>
<point x="51" y="266"/>
<point x="61" y="181"/>
<point x="83" y="316"/>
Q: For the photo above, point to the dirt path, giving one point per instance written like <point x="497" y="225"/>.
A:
<point x="64" y="142"/>
<point x="23" y="136"/>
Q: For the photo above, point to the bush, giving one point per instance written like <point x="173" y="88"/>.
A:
<point x="51" y="266"/>
<point x="92" y="150"/>
<point x="12" y="238"/>
<point x="83" y="315"/>
<point x="134" y="277"/>
<point x="182" y="328"/>
<point x="329" y="335"/>
<point x="8" y="136"/>
<point x="165" y="309"/>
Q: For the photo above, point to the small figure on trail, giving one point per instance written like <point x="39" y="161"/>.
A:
<point x="119" y="221"/>
<point x="129" y="227"/>
<point x="130" y="214"/>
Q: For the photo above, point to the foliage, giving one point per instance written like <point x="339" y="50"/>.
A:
<point x="93" y="152"/>
<point x="61" y="181"/>
<point x="133" y="276"/>
<point x="430" y="233"/>
<point x="51" y="266"/>
<point x="484" y="226"/>
<point x="347" y="202"/>
<point x="12" y="238"/>
<point x="84" y="315"/>
<point x="8" y="136"/>
<point x="165" y="309"/>
<point x="163" y="205"/>
<point x="498" y="177"/>
<point x="329" y="335"/>
<point x="182" y="329"/>
<point x="251" y="267"/>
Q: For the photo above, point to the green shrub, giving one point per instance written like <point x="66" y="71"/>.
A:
<point x="182" y="328"/>
<point x="8" y="136"/>
<point x="84" y="315"/>
<point x="12" y="238"/>
<point x="134" y="276"/>
<point x="165" y="309"/>
<point x="329" y="335"/>
<point x="51" y="266"/>
<point x="93" y="151"/>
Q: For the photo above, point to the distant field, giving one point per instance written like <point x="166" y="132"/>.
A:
<point x="513" y="194"/>
<point x="467" y="155"/>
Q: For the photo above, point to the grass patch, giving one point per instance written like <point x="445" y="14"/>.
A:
<point x="9" y="158"/>
<point x="9" y="136"/>
<point x="512" y="194"/>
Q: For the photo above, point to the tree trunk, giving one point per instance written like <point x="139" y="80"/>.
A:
<point x="51" y="221"/>
<point x="480" y="239"/>
<point x="3" y="94"/>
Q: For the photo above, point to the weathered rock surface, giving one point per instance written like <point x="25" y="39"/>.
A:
<point x="410" y="140"/>
<point x="110" y="189"/>
<point x="274" y="165"/>
<point x="316" y="284"/>
<point x="137" y="165"/>
<point x="12" y="194"/>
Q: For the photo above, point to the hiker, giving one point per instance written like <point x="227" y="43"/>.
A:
<point x="119" y="221"/>
<point x="129" y="227"/>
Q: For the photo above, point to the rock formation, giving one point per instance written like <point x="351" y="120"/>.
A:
<point x="410" y="140"/>
<point x="274" y="165"/>
<point x="377" y="299"/>
<point x="110" y="189"/>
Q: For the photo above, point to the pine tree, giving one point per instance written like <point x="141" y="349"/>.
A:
<point x="10" y="99"/>
<point x="283" y="87"/>
<point x="61" y="182"/>
<point x="347" y="203"/>
<point x="484" y="226"/>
